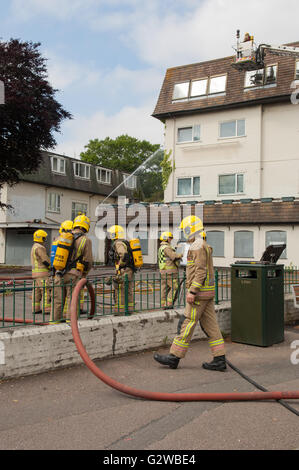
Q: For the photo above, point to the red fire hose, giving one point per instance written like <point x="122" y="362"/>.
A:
<point x="250" y="396"/>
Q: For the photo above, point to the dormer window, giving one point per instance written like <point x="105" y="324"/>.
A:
<point x="261" y="77"/>
<point x="58" y="165"/>
<point x="82" y="170"/>
<point x="201" y="88"/>
<point x="103" y="175"/>
<point x="217" y="84"/>
<point x="180" y="91"/>
<point x="130" y="182"/>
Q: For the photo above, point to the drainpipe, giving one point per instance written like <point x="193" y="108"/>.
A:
<point x="261" y="152"/>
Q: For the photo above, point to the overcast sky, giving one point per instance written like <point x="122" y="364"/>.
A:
<point x="108" y="57"/>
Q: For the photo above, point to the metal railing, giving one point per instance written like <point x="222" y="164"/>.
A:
<point x="106" y="295"/>
<point x="28" y="301"/>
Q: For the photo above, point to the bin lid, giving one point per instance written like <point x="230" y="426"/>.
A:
<point x="273" y="252"/>
<point x="270" y="256"/>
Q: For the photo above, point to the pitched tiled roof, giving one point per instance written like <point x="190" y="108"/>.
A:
<point x="234" y="96"/>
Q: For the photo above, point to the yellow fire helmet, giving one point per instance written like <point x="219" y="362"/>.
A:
<point x="165" y="235"/>
<point x="82" y="221"/>
<point x="191" y="225"/>
<point x="40" y="236"/>
<point x="116" y="231"/>
<point x="66" y="226"/>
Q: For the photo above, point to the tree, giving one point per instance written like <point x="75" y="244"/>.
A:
<point x="127" y="153"/>
<point x="124" y="153"/>
<point x="30" y="113"/>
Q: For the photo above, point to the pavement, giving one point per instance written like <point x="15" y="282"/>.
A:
<point x="71" y="409"/>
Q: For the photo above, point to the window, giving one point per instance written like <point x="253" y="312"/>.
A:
<point x="78" y="208"/>
<point x="82" y="170"/>
<point x="103" y="175"/>
<point x="297" y="70"/>
<point x="143" y="237"/>
<point x="231" y="184"/>
<point x="180" y="91"/>
<point x="200" y="87"/>
<point x="189" y="134"/>
<point x="277" y="236"/>
<point x="215" y="238"/>
<point x="58" y="165"/>
<point x="261" y="77"/>
<point x="188" y="186"/>
<point x="130" y="182"/>
<point x="243" y="244"/>
<point x="217" y="84"/>
<point x="53" y="202"/>
<point x="232" y="129"/>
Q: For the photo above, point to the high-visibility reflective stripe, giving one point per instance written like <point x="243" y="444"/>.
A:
<point x="216" y="342"/>
<point x="38" y="269"/>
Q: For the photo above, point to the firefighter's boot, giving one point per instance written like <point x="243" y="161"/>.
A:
<point x="218" y="363"/>
<point x="169" y="360"/>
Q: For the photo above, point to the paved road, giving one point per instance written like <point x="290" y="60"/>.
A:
<point x="72" y="409"/>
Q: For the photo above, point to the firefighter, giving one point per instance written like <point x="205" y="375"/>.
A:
<point x="247" y="37"/>
<point x="168" y="265"/>
<point x="200" y="301"/>
<point x="120" y="252"/>
<point x="78" y="266"/>
<point x="40" y="262"/>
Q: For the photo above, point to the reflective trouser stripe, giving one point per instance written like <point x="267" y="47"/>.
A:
<point x="204" y="312"/>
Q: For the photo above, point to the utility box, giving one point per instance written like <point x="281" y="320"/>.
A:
<point x="257" y="299"/>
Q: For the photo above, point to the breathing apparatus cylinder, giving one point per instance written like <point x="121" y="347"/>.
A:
<point x="136" y="252"/>
<point x="64" y="247"/>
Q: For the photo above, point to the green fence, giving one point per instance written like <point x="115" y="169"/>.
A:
<point x="33" y="302"/>
<point x="112" y="296"/>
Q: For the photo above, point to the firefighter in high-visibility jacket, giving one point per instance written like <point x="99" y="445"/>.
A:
<point x="77" y="267"/>
<point x="123" y="266"/>
<point x="40" y="262"/>
<point x="199" y="301"/>
<point x="168" y="265"/>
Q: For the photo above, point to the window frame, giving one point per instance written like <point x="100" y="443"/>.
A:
<point x="188" y="92"/>
<point x="189" y="96"/>
<point x="57" y="208"/>
<point x="134" y="177"/>
<point x="192" y="186"/>
<point x="250" y="87"/>
<point x="74" y="210"/>
<point x="188" y="141"/>
<point x="60" y="159"/>
<point x="242" y="256"/>
<point x="222" y="233"/>
<point x="233" y="136"/>
<point x="83" y="165"/>
<point x="209" y="84"/>
<point x="236" y="183"/>
<point x="296" y="69"/>
<point x="99" y="170"/>
<point x="199" y="80"/>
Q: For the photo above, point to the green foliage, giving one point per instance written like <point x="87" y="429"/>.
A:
<point x="167" y="168"/>
<point x="124" y="153"/>
<point x="30" y="114"/>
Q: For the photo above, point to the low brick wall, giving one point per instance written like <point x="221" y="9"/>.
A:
<point x="32" y="350"/>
